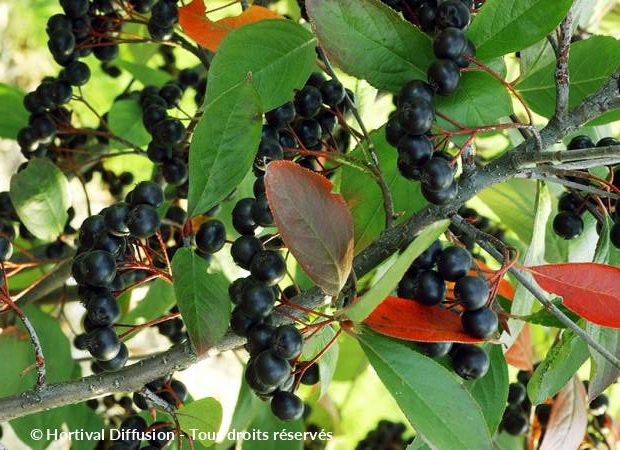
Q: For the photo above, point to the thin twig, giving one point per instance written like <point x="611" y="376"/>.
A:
<point x="533" y="288"/>
<point x="562" y="75"/>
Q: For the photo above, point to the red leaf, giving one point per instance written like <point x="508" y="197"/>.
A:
<point x="569" y="418"/>
<point x="590" y="290"/>
<point x="210" y="34"/>
<point x="314" y="223"/>
<point x="407" y="319"/>
<point x="520" y="354"/>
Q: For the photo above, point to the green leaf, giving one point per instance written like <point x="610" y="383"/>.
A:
<point x="202" y="298"/>
<point x="125" y="121"/>
<point x="535" y="58"/>
<point x="327" y="362"/>
<point x="202" y="419"/>
<point x="491" y="391"/>
<point x="143" y="73"/>
<point x="545" y="318"/>
<point x="561" y="363"/>
<point x="589" y="68"/>
<point x="504" y="26"/>
<point x="369" y="40"/>
<point x="40" y="194"/>
<point x="480" y="100"/>
<point x="438" y="406"/>
<point x="157" y="302"/>
<point x="223" y="146"/>
<point x="351" y="359"/>
<point x="246" y="409"/>
<point x="272" y="433"/>
<point x="278" y="55"/>
<point x="359" y="310"/>
<point x="14" y="115"/>
<point x="364" y="196"/>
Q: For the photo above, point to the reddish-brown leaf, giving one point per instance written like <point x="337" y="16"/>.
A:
<point x="568" y="420"/>
<point x="520" y="354"/>
<point x="208" y="33"/>
<point x="590" y="290"/>
<point x="407" y="319"/>
<point x="314" y="223"/>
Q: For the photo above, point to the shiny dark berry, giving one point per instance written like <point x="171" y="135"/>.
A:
<point x="175" y="171"/>
<point x="514" y="421"/>
<point x="75" y="8"/>
<point x="268" y="266"/>
<point x="258" y="339"/>
<point x="244" y="249"/>
<point x="169" y="132"/>
<point x="103" y="343"/>
<point x="271" y="370"/>
<point x="472" y="292"/>
<point x="413" y="153"/>
<point x="516" y="393"/>
<point x="261" y="213"/>
<point x="598" y="405"/>
<point x="6" y="249"/>
<point x="269" y="150"/>
<point x="569" y="202"/>
<point x="171" y="93"/>
<point x="164" y="14"/>
<point x="281" y="116"/>
<point x="309" y="132"/>
<point x="257" y="300"/>
<point x="287" y="406"/>
<point x="394" y="131"/>
<point x="311" y="375"/>
<point x="430" y="288"/>
<point x="286" y="342"/>
<point x="211" y="236"/>
<point x="444" y="76"/>
<point x="116" y="363"/>
<point x="416" y="89"/>
<point x="441" y="197"/>
<point x="568" y="225"/>
<point x="106" y="50"/>
<point x="416" y="116"/>
<point x="437" y="174"/>
<point x="308" y="102"/>
<point x="470" y="362"/>
<point x="434" y="349"/>
<point x="333" y="92"/>
<point x="452" y="13"/>
<point x="98" y="268"/>
<point x="580" y="142"/>
<point x="147" y="192"/>
<point x="543" y="412"/>
<point x="481" y="323"/>
<point x="103" y="309"/>
<point x="428" y="258"/>
<point x="607" y="141"/>
<point x="451" y="43"/>
<point x="143" y="221"/>
<point x="454" y="263"/>
<point x="115" y="218"/>
<point x="242" y="216"/>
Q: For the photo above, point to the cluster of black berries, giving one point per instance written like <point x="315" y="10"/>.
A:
<point x="426" y="285"/>
<point x="426" y="282"/>
<point x="515" y="420"/>
<point x="168" y="389"/>
<point x="309" y="122"/>
<point x="409" y="126"/>
<point x="431" y="15"/>
<point x="116" y="183"/>
<point x="568" y="223"/>
<point x="387" y="435"/>
<point x="168" y="133"/>
<point x="104" y="243"/>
